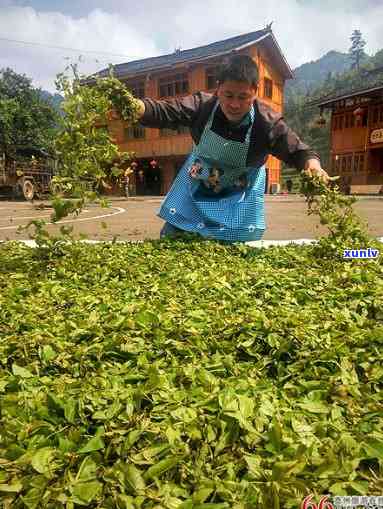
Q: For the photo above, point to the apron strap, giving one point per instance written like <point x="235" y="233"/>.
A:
<point x="211" y="117"/>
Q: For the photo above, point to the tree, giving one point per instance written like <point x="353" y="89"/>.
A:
<point x="357" y="49"/>
<point x="26" y="119"/>
<point x="88" y="156"/>
<point x="377" y="59"/>
<point x="304" y="121"/>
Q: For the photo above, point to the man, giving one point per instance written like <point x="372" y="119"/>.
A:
<point x="127" y="174"/>
<point x="234" y="131"/>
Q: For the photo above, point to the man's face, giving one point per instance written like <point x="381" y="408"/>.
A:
<point x="236" y="98"/>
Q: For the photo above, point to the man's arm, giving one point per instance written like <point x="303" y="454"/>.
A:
<point x="171" y="113"/>
<point x="286" y="145"/>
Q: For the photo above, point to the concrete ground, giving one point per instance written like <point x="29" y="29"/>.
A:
<point x="135" y="218"/>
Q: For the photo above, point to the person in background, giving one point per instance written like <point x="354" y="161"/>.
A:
<point x="127" y="175"/>
<point x="289" y="185"/>
<point x="234" y="131"/>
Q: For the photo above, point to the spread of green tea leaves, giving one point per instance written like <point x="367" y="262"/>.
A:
<point x="188" y="374"/>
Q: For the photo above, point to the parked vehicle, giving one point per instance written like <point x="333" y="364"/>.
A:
<point x="28" y="173"/>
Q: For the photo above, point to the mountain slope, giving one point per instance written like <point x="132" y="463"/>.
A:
<point x="312" y="74"/>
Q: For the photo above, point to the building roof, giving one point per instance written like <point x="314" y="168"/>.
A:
<point x="215" y="49"/>
<point x="372" y="84"/>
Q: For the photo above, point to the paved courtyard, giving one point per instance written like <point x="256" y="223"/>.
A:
<point x="136" y="219"/>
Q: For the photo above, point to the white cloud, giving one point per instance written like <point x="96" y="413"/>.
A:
<point x="305" y="29"/>
<point x="99" y="31"/>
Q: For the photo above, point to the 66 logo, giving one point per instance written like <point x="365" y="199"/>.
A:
<point x="324" y="503"/>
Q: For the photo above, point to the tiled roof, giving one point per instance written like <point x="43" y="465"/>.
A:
<point x="194" y="54"/>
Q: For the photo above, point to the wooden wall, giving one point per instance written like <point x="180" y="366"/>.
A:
<point x="347" y="139"/>
<point x="357" y="160"/>
<point x="267" y="70"/>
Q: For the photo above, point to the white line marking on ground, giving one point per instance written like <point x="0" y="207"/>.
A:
<point x="31" y="217"/>
<point x="119" y="210"/>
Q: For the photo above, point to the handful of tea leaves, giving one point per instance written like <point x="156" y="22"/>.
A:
<point x="335" y="211"/>
<point x="120" y="97"/>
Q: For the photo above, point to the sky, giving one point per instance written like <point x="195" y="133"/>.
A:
<point x="115" y="31"/>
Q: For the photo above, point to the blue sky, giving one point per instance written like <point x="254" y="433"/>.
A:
<point x="305" y="29"/>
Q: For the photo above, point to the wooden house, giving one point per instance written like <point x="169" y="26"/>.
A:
<point x="357" y="135"/>
<point x="161" y="152"/>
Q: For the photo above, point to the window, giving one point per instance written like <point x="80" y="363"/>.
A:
<point x="361" y="162"/>
<point x="173" y="85"/>
<point x="356" y="163"/>
<point x="352" y="121"/>
<point x="211" y="77"/>
<point x="344" y="164"/>
<point x="375" y="116"/>
<point x="174" y="132"/>
<point x="346" y="121"/>
<point x="268" y="88"/>
<point x="381" y="114"/>
<point x="137" y="88"/>
<point x="134" y="132"/>
<point x="349" y="163"/>
<point x="340" y="122"/>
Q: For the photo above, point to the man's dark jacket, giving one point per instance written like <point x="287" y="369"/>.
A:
<point x="269" y="135"/>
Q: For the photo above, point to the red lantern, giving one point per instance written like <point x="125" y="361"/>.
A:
<point x="358" y="113"/>
<point x="134" y="165"/>
<point x="153" y="163"/>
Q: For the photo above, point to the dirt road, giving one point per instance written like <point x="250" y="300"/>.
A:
<point x="135" y="218"/>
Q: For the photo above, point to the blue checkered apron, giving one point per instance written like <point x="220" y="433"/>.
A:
<point x="215" y="194"/>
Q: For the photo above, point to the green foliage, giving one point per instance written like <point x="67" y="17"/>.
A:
<point x="26" y="120"/>
<point x="346" y="230"/>
<point x="140" y="376"/>
<point x="303" y="120"/>
<point x="120" y="97"/>
<point x="377" y="59"/>
<point x="87" y="154"/>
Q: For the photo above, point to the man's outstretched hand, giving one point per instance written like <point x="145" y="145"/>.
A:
<point x="313" y="169"/>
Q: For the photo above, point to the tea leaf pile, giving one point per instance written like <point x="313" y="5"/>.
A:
<point x="186" y="374"/>
<point x="181" y="374"/>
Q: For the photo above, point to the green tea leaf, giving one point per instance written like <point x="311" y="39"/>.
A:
<point x="373" y="448"/>
<point x="85" y="492"/>
<point x="15" y="487"/>
<point x="94" y="444"/>
<point x="134" y="478"/>
<point x="21" y="372"/>
<point x="161" y="467"/>
<point x="42" y="460"/>
<point x="87" y="470"/>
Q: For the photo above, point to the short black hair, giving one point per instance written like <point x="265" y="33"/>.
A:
<point x="238" y="68"/>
